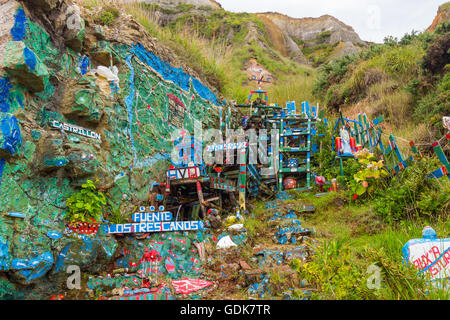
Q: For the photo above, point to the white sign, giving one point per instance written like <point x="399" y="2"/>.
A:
<point x="429" y="254"/>
<point x="183" y="173"/>
<point x="75" y="129"/>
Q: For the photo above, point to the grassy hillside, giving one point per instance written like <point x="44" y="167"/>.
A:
<point x="405" y="80"/>
<point x="320" y="51"/>
<point x="217" y="44"/>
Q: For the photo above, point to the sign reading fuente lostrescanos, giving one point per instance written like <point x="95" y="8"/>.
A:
<point x="75" y="129"/>
<point x="154" y="222"/>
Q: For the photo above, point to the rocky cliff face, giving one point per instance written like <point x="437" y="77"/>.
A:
<point x="443" y="14"/>
<point x="310" y="28"/>
<point x="282" y="41"/>
<point x="78" y="101"/>
<point x="313" y="31"/>
<point x="288" y="36"/>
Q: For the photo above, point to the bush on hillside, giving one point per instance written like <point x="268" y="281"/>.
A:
<point x="437" y="54"/>
<point x="411" y="194"/>
<point x="108" y="16"/>
<point x="435" y="104"/>
<point x="332" y="73"/>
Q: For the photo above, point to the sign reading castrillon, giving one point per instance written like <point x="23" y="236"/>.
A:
<point x="75" y="129"/>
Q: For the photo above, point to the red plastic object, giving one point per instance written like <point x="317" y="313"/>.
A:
<point x="353" y="143"/>
<point x="338" y="143"/>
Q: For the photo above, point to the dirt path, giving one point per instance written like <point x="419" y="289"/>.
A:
<point x="261" y="268"/>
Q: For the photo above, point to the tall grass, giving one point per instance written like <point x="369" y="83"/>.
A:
<point x="294" y="88"/>
<point x="343" y="253"/>
<point x="218" y="60"/>
<point x="205" y="57"/>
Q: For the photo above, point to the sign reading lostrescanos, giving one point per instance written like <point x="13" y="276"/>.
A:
<point x="75" y="129"/>
<point x="150" y="221"/>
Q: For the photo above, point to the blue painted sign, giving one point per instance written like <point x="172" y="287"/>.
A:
<point x="154" y="222"/>
<point x="165" y="226"/>
<point x="16" y="215"/>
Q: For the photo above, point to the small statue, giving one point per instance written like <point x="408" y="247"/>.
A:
<point x="345" y="140"/>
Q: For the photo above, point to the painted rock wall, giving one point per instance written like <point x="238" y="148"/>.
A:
<point x="47" y="76"/>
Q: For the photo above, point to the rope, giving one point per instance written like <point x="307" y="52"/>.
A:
<point x="178" y="211"/>
<point x="419" y="144"/>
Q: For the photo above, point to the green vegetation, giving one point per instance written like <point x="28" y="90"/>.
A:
<point x="366" y="181"/>
<point x="107" y="16"/>
<point x="410" y="194"/>
<point x="350" y="238"/>
<point x="254" y="226"/>
<point x="86" y="205"/>
<point x="406" y="80"/>
<point x="217" y="46"/>
<point x="319" y="51"/>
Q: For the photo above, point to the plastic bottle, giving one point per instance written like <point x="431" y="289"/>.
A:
<point x="334" y="186"/>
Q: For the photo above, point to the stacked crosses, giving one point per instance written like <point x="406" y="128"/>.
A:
<point x="392" y="153"/>
<point x="445" y="169"/>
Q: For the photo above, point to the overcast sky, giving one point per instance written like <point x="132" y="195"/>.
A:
<point x="371" y="19"/>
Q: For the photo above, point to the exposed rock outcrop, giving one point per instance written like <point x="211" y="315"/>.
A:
<point x="443" y="14"/>
<point x="282" y="41"/>
<point x="345" y="48"/>
<point x="310" y="28"/>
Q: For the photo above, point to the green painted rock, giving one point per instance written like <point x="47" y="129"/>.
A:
<point x="84" y="99"/>
<point x="22" y="64"/>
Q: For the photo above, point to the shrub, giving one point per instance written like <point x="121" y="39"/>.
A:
<point x="402" y="62"/>
<point x="436" y="102"/>
<point x="86" y="205"/>
<point x="332" y="272"/>
<point x="410" y="193"/>
<point x="108" y="16"/>
<point x="332" y="73"/>
<point x="438" y="52"/>
<point x="369" y="175"/>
